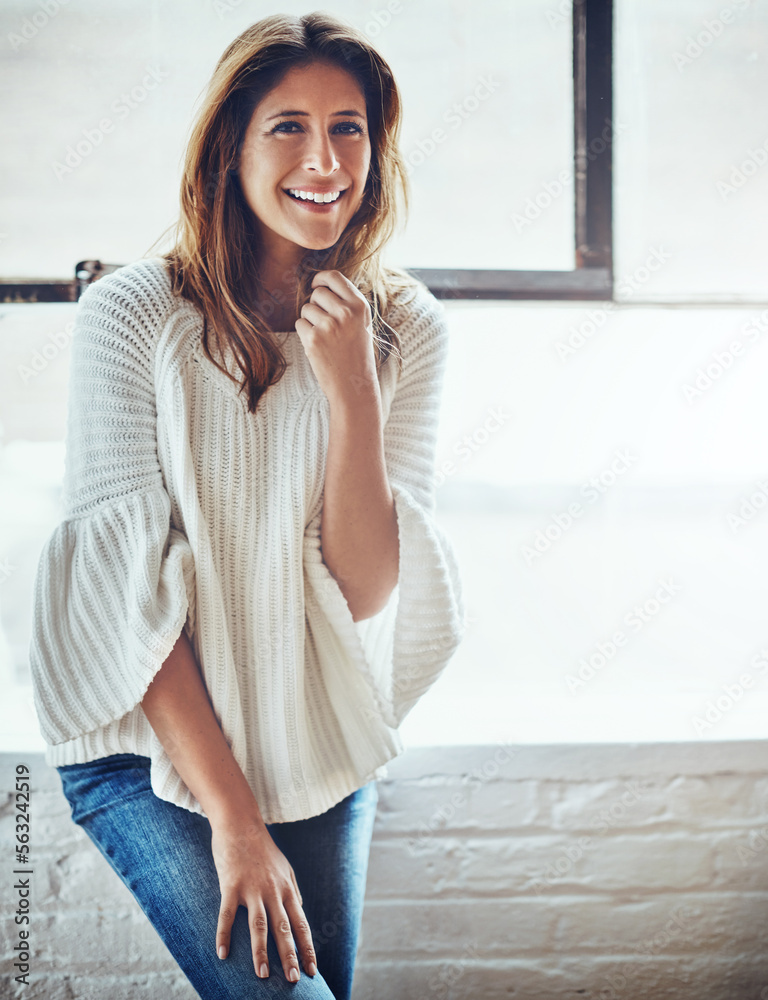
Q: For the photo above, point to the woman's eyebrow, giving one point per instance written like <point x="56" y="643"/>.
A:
<point x="283" y="114"/>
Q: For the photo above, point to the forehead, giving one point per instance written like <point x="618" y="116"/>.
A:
<point x="320" y="86"/>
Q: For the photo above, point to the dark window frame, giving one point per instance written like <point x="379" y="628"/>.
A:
<point x="592" y="277"/>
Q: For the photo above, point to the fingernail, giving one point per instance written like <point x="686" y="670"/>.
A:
<point x="293" y="975"/>
<point x="311" y="968"/>
<point x="264" y="970"/>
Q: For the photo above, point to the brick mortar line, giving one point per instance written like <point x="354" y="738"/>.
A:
<point x="660" y="778"/>
<point x="553" y="897"/>
<point x="605" y="897"/>
<point x="676" y="832"/>
<point x="642" y="960"/>
<point x="452" y="955"/>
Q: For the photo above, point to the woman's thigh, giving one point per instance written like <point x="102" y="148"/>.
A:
<point x="163" y="854"/>
<point x="329" y="854"/>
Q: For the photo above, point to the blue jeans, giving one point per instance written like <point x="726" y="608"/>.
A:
<point x="163" y="854"/>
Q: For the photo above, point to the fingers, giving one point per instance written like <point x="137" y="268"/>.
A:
<point x="338" y="297"/>
<point x="303" y="936"/>
<point x="281" y="931"/>
<point x="227" y="912"/>
<point x="337" y="282"/>
<point x="303" y="328"/>
<point x="288" y="925"/>
<point x="269" y="892"/>
<point x="258" y="924"/>
<point x="326" y="300"/>
<point x="313" y="314"/>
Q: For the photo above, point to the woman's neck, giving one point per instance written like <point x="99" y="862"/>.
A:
<point x="279" y="261"/>
<point x="277" y="295"/>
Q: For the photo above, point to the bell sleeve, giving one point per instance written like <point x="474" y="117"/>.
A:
<point x="402" y="650"/>
<point x="115" y="581"/>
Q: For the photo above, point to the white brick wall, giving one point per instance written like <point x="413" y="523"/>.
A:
<point x="583" y="872"/>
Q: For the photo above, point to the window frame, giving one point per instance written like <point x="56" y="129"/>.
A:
<point x="590" y="279"/>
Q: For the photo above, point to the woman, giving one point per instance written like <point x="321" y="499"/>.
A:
<point x="248" y="591"/>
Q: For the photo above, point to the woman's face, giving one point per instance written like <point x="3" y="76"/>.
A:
<point x="307" y="140"/>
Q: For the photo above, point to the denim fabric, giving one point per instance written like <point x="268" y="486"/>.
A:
<point x="163" y="854"/>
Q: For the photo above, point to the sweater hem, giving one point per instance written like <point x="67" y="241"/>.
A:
<point x="103" y="743"/>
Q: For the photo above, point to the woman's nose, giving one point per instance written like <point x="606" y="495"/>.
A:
<point x="320" y="155"/>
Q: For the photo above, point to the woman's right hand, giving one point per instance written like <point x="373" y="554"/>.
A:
<point x="253" y="872"/>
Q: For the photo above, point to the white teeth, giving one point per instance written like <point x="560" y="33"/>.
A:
<point x="318" y="198"/>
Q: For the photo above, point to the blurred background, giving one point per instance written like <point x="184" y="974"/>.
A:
<point x="602" y="468"/>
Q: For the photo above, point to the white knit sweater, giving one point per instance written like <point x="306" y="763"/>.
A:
<point x="184" y="510"/>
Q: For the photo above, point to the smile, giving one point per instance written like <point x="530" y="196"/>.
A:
<point x="318" y="197"/>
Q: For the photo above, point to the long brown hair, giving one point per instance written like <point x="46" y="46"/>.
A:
<point x="215" y="261"/>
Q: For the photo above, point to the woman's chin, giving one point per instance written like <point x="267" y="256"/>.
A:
<point x="319" y="244"/>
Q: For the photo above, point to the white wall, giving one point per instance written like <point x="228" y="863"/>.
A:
<point x="629" y="872"/>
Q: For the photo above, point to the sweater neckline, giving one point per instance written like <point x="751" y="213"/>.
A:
<point x="296" y="381"/>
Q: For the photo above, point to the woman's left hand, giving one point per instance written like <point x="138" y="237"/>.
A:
<point x="336" y="329"/>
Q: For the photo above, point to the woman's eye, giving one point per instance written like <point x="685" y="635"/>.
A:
<point x="350" y="128"/>
<point x="286" y="127"/>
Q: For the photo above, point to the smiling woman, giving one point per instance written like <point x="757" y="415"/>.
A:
<point x="249" y="591"/>
<point x="304" y="172"/>
<point x="312" y="110"/>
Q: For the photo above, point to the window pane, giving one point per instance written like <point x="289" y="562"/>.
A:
<point x="98" y="98"/>
<point x="488" y="134"/>
<point x="691" y="161"/>
<point x="579" y="495"/>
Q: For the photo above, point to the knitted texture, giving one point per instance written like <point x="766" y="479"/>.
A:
<point x="182" y="510"/>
